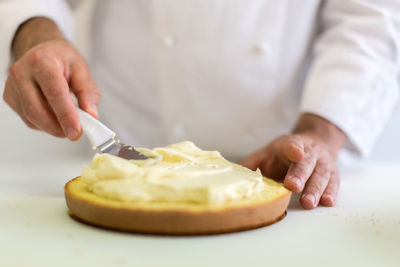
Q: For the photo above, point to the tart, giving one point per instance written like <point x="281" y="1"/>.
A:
<point x="179" y="190"/>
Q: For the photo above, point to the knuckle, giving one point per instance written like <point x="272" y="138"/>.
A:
<point x="313" y="147"/>
<point x="15" y="70"/>
<point x="42" y="63"/>
<point x="35" y="57"/>
<point x="322" y="170"/>
<point x="324" y="154"/>
<point x="308" y="156"/>
<point x="316" y="188"/>
<point x="53" y="92"/>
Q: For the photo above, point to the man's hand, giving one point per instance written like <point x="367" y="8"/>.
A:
<point x="47" y="69"/>
<point x="306" y="159"/>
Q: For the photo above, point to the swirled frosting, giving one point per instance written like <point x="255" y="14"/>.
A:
<point x="176" y="173"/>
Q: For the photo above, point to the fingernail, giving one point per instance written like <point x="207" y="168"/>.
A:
<point x="330" y="199"/>
<point x="311" y="198"/>
<point x="72" y="133"/>
<point x="297" y="182"/>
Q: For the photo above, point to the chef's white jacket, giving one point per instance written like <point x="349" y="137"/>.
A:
<point x="231" y="75"/>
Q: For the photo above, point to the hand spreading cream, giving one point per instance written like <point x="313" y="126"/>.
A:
<point x="177" y="173"/>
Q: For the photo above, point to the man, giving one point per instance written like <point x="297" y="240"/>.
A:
<point x="228" y="75"/>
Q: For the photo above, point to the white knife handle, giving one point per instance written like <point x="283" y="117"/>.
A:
<point x="96" y="132"/>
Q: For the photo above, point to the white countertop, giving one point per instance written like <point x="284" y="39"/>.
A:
<point x="362" y="230"/>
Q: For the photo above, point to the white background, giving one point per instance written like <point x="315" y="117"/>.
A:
<point x="18" y="143"/>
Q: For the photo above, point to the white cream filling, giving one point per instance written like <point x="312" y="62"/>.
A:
<point x="177" y="173"/>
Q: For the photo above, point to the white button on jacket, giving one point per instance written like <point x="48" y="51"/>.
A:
<point x="232" y="75"/>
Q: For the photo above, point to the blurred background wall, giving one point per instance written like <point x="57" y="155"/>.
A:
<point x="18" y="143"/>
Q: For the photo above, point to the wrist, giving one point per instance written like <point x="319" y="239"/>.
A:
<point x="321" y="130"/>
<point x="33" y="32"/>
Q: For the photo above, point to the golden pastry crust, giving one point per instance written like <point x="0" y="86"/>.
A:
<point x="172" y="219"/>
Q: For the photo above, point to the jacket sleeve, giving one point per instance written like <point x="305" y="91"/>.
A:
<point x="353" y="79"/>
<point x="14" y="12"/>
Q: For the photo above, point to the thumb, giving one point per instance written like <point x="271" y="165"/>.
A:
<point x="85" y="89"/>
<point x="291" y="148"/>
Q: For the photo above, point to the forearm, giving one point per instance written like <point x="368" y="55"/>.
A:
<point x="321" y="129"/>
<point x="33" y="32"/>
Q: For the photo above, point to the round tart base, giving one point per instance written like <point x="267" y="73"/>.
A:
<point x="172" y="218"/>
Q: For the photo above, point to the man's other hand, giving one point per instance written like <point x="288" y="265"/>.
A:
<point x="306" y="159"/>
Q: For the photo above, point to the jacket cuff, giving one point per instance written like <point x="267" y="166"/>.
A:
<point x="359" y="107"/>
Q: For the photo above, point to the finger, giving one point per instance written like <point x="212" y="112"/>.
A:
<point x="253" y="161"/>
<point x="34" y="108"/>
<point x="12" y="99"/>
<point x="56" y="91"/>
<point x="290" y="147"/>
<point x="316" y="185"/>
<point x="299" y="173"/>
<point x="85" y="89"/>
<point x="330" y="194"/>
<point x="269" y="165"/>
